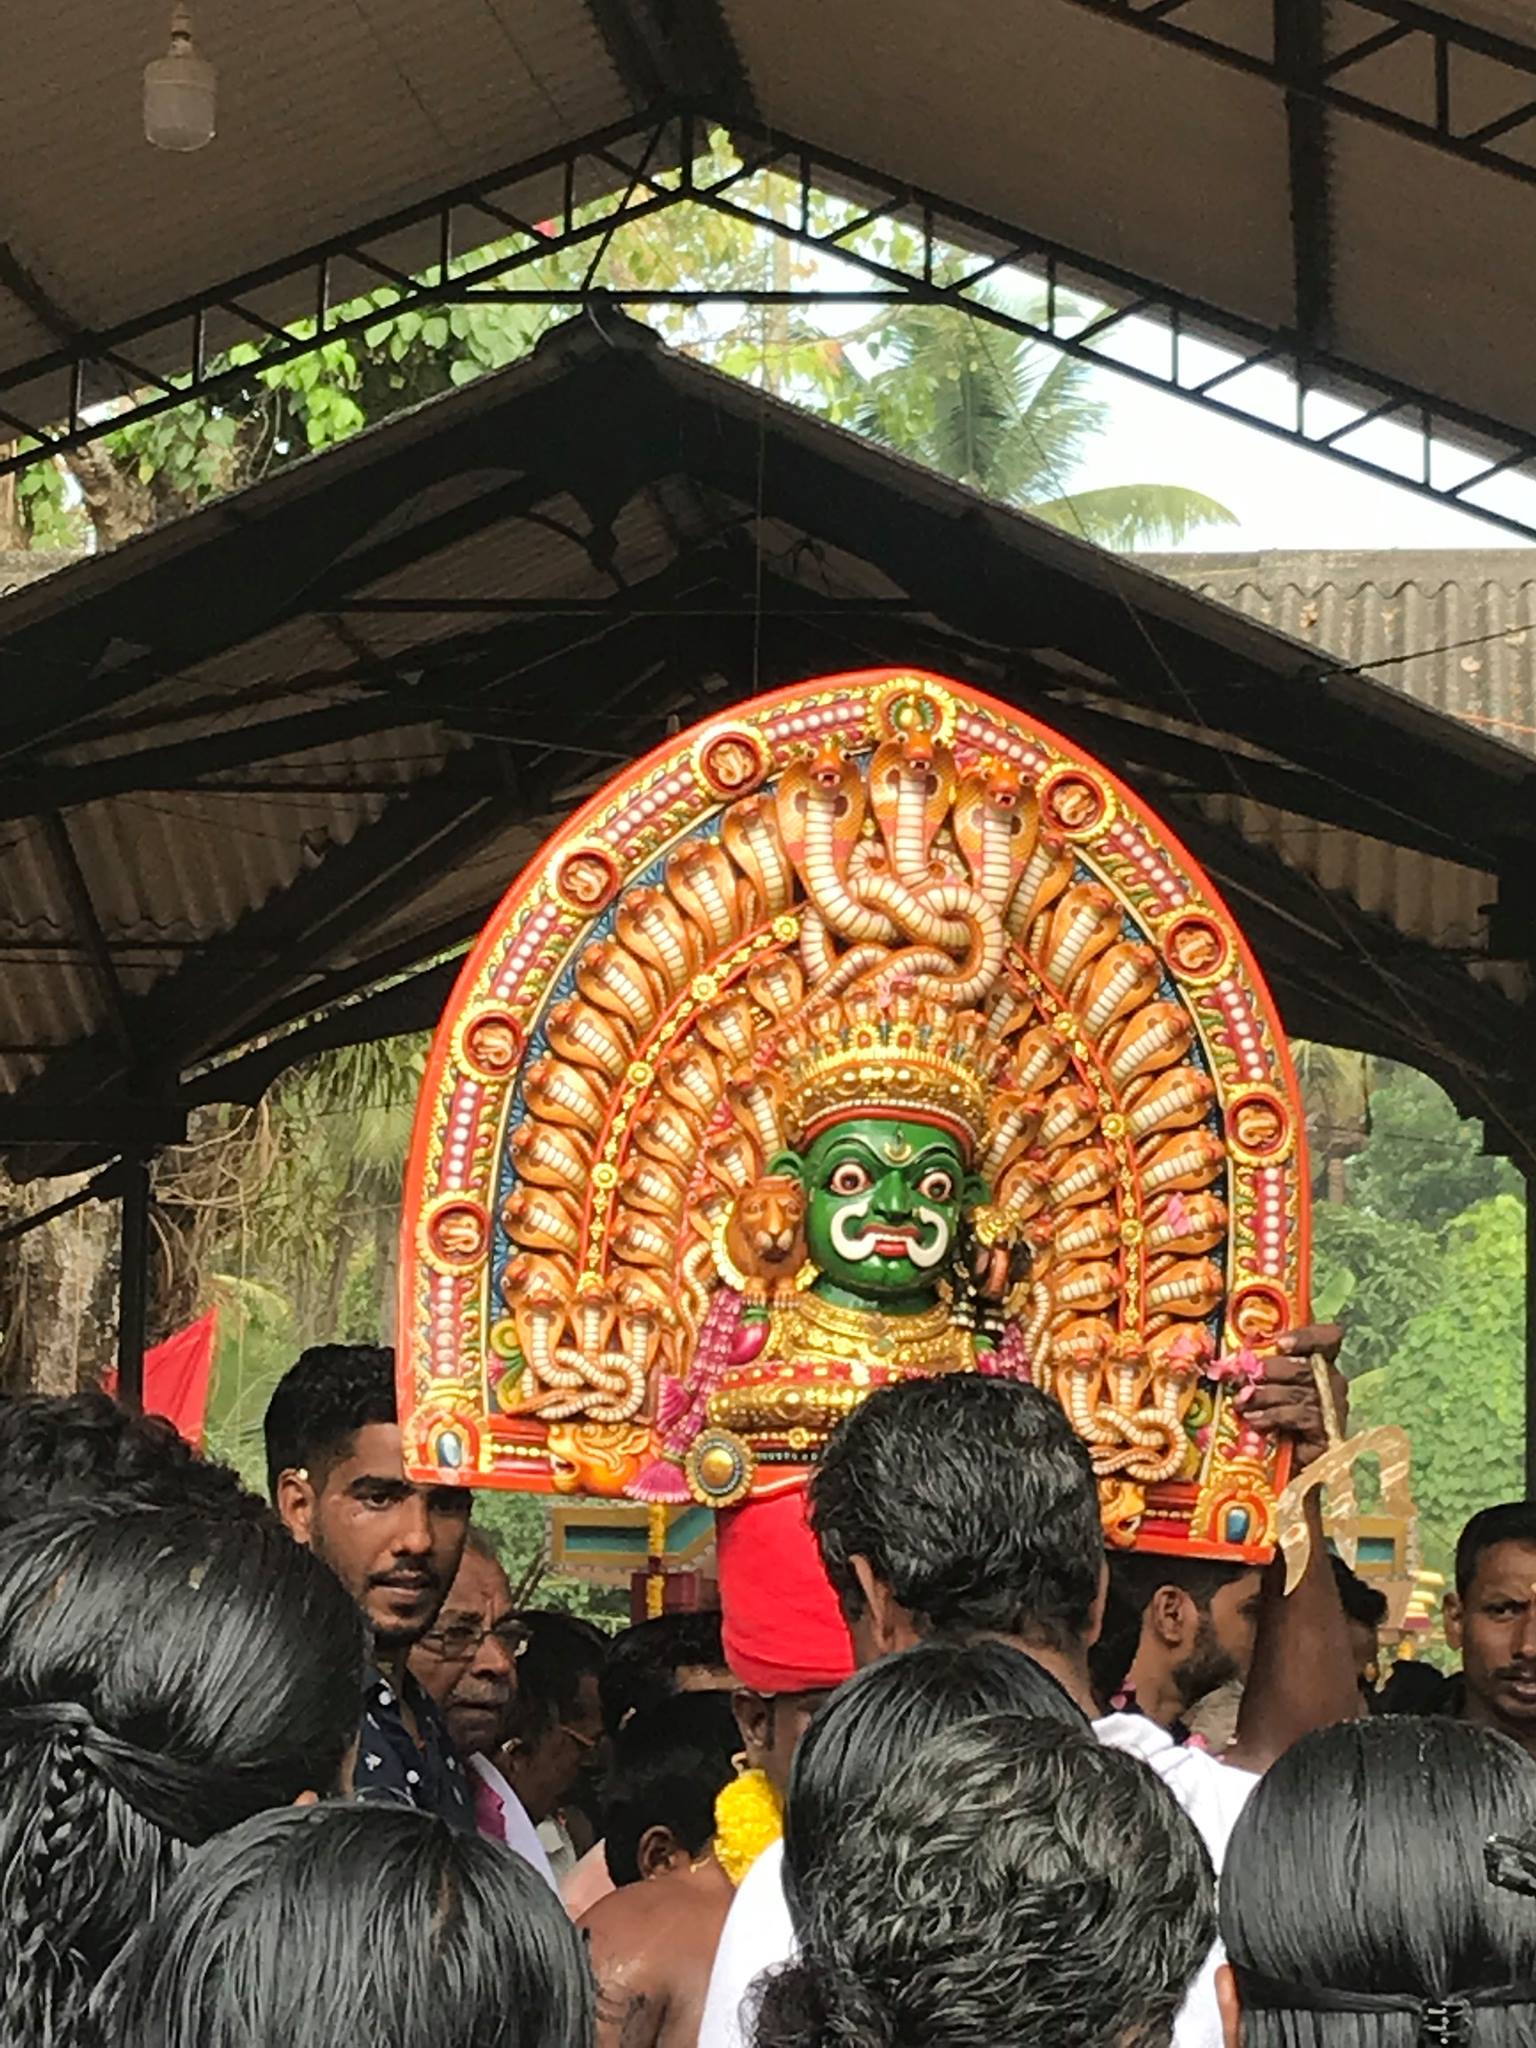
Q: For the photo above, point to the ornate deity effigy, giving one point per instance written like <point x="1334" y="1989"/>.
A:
<point x="871" y="1030"/>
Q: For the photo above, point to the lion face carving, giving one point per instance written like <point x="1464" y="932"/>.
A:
<point x="765" y="1237"/>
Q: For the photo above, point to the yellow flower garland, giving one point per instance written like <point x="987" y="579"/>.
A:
<point x="748" y="1816"/>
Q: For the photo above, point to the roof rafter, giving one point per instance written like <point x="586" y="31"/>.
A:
<point x="1432" y="37"/>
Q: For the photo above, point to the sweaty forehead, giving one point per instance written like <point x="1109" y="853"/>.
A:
<point x="1505" y="1571"/>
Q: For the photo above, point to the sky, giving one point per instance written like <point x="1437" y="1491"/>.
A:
<point x="1283" y="495"/>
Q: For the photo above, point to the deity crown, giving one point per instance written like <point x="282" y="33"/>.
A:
<point x="887" y="1055"/>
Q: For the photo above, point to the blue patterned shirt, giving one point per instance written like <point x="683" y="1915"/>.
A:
<point x="394" y="1770"/>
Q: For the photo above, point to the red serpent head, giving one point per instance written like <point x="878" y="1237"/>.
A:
<point x="827" y="765"/>
<point x="1005" y="785"/>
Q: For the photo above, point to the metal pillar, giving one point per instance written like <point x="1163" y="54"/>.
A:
<point x="133" y="1282"/>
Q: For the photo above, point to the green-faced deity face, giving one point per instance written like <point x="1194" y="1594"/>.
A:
<point x="883" y="1203"/>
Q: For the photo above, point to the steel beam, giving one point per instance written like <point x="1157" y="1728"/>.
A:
<point x="1299" y="49"/>
<point x="1431" y="36"/>
<point x="633" y="156"/>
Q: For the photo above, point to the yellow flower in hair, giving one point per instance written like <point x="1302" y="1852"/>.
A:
<point x="749" y="1815"/>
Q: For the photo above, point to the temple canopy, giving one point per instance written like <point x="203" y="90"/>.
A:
<point x="287" y="753"/>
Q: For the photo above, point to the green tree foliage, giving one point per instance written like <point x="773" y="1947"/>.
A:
<point x="979" y="404"/>
<point x="1423" y="1162"/>
<point x="1455" y="1377"/>
<point x="1424" y="1261"/>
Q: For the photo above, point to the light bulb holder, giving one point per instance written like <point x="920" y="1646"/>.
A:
<point x="180" y="92"/>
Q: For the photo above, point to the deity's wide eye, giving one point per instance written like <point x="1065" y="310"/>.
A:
<point x="849" y="1178"/>
<point x="937" y="1184"/>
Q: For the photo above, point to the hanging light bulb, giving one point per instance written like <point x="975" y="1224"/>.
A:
<point x="179" y="91"/>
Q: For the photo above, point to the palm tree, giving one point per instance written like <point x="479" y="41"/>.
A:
<point x="1010" y="417"/>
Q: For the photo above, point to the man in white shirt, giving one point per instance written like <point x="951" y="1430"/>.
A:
<point x="966" y="1507"/>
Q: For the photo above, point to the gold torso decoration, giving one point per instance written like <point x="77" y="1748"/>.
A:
<point x="814" y="1331"/>
<point x="820" y="1360"/>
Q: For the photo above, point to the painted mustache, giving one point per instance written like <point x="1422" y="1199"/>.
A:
<point x="926" y="1244"/>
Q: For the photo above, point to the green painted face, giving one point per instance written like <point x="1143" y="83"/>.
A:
<point x="883" y="1204"/>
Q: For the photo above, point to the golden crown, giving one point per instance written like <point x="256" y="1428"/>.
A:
<point x="892" y="1055"/>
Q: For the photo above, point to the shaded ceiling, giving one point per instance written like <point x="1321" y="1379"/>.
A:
<point x="287" y="753"/>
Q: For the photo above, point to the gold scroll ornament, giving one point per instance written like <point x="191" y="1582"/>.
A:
<point x="1333" y="1475"/>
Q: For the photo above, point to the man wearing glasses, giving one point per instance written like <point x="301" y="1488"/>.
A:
<point x="467" y="1662"/>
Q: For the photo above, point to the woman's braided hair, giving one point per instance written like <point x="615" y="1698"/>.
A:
<point x="162" y="1677"/>
<point x="42" y="1966"/>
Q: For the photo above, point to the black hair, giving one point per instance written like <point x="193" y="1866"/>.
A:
<point x="352" y="1923"/>
<point x="326" y="1396"/>
<point x="162" y="1676"/>
<point x="1357" y="1869"/>
<point x="1013" y="1881"/>
<point x="973" y="1500"/>
<point x="561" y="1652"/>
<point x="1137" y="1575"/>
<point x="670" y="1764"/>
<point x="1360" y="1600"/>
<point x="1513" y="1521"/>
<point x="882" y="1715"/>
<point x="643" y="1661"/>
<point x="1415" y="1688"/>
<point x="73" y="1447"/>
<point x="1119" y="1638"/>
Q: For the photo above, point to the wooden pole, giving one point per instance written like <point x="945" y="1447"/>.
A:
<point x="133" y="1284"/>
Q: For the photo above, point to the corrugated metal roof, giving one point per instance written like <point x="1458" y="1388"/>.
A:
<point x="1408" y="616"/>
<point x="578" y="551"/>
<point x="1404" y="614"/>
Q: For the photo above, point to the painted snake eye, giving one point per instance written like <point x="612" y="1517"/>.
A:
<point x="850" y="1178"/>
<point x="937" y="1185"/>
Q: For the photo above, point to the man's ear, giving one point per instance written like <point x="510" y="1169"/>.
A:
<point x="790" y="1164"/>
<point x="295" y="1503"/>
<point x="1230" y="2006"/>
<point x="659" y="1851"/>
<point x="887" y="1622"/>
<point x="974" y="1192"/>
<point x="1174" y="1617"/>
<point x="754" y="1717"/>
<point x="1451" y="1615"/>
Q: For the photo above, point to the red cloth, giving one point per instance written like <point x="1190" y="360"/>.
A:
<point x="176" y="1376"/>
<point x="784" y="1631"/>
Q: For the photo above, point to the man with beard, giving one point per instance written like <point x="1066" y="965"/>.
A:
<point x="467" y="1661"/>
<point x="336" y="1476"/>
<point x="1198" y="1622"/>
<point x="1491" y="1620"/>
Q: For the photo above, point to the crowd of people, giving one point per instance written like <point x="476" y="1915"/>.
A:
<point x="938" y="1774"/>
